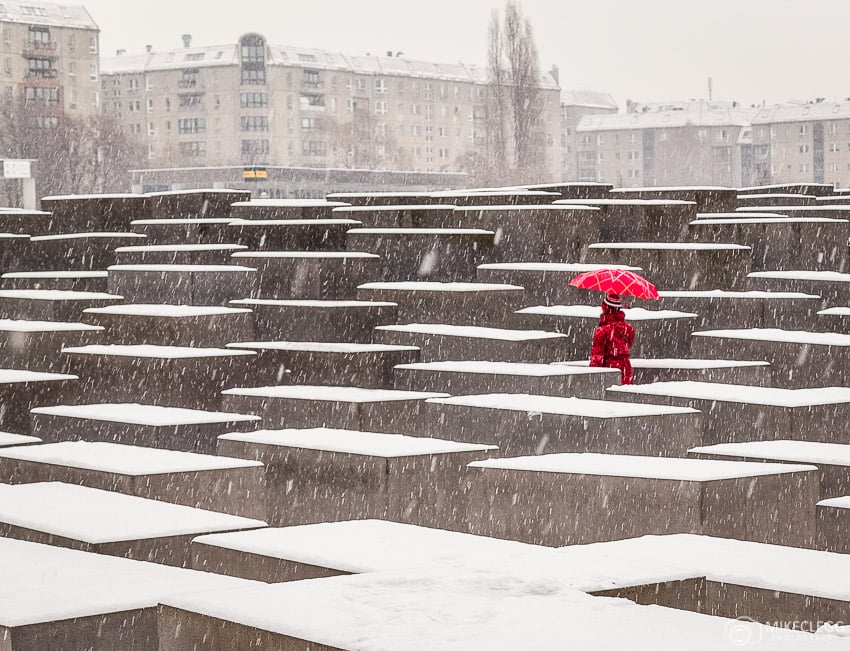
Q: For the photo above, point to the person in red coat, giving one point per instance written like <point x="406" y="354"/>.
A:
<point x="613" y="339"/>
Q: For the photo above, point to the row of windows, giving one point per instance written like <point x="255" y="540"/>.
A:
<point x="191" y="125"/>
<point x="254" y="123"/>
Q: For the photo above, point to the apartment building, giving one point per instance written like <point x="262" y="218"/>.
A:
<point x="575" y="104"/>
<point x="50" y="58"/>
<point x="684" y="143"/>
<point x="803" y="142"/>
<point x="252" y="103"/>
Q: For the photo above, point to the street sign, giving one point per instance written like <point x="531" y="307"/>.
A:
<point x="17" y="169"/>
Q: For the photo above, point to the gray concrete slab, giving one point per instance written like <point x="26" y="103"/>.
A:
<point x="182" y="284"/>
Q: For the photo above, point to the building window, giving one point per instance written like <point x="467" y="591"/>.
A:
<point x="189" y="79"/>
<point x="48" y="96"/>
<point x="253" y="77"/>
<point x="40" y="68"/>
<point x="194" y="56"/>
<point x="191" y="125"/>
<point x="312" y="102"/>
<point x="34" y="11"/>
<point x="254" y="123"/>
<point x="254" y="100"/>
<point x="253" y="51"/>
<point x="313" y="148"/>
<point x="804" y="149"/>
<point x="312" y="79"/>
<point x="380" y="86"/>
<point x="39" y="37"/>
<point x="255" y="147"/>
<point x="804" y="167"/>
<point x="194" y="149"/>
<point x="310" y="124"/>
<point x="93" y="45"/>
<point x="804" y="129"/>
<point x="380" y="107"/>
<point x="190" y="100"/>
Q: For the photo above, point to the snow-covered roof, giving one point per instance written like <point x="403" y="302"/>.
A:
<point x="488" y="607"/>
<point x="120" y="459"/>
<point x="756" y="395"/>
<point x="426" y="286"/>
<point x="786" y="336"/>
<point x="321" y="347"/>
<point x="800" y="112"/>
<point x="579" y="407"/>
<point x="477" y="332"/>
<point x="330" y="393"/>
<point x="150" y="415"/>
<point x="167" y="311"/>
<point x="832" y="454"/>
<point x="622" y="465"/>
<point x="45" y="583"/>
<point x="97" y="516"/>
<point x="504" y="368"/>
<point x="155" y="352"/>
<point x="699" y="114"/>
<point x="300" y="57"/>
<point x="588" y="99"/>
<point x="594" y="312"/>
<point x="373" y="444"/>
<point x="50" y="14"/>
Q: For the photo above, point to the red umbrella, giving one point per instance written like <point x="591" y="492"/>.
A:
<point x="616" y="281"/>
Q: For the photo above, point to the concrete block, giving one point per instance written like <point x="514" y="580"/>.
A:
<point x="96" y="212"/>
<point x="833" y="517"/>
<point x="326" y="475"/>
<point x="183" y="231"/>
<point x="291" y="234"/>
<point x="399" y="216"/>
<point x="182" y="284"/>
<point x="707" y="199"/>
<point x="284" y="209"/>
<point x="154" y="426"/>
<point x="20" y="221"/>
<point x="51" y="305"/>
<point x="174" y="254"/>
<point x="640" y="220"/>
<point x="381" y="198"/>
<point x="75" y="281"/>
<point x="833" y="287"/>
<point x="726" y="309"/>
<point x="81" y="251"/>
<point x="20" y="391"/>
<point x="647" y="371"/>
<point x="195" y="204"/>
<point x="37" y="345"/>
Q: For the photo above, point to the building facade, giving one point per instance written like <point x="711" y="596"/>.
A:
<point x="686" y="143"/>
<point x="50" y="56"/>
<point x="252" y="103"/>
<point x="803" y="143"/>
<point x="575" y="104"/>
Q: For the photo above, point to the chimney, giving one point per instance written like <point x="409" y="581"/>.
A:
<point x="389" y="53"/>
<point x="556" y="74"/>
<point x="149" y="48"/>
<point x="187" y="40"/>
<point x="119" y="53"/>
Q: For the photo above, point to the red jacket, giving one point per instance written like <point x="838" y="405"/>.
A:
<point x="612" y="344"/>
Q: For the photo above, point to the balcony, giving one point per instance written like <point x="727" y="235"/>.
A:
<point x="42" y="77"/>
<point x="41" y="49"/>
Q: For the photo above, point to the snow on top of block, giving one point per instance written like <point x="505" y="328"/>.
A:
<point x="192" y="268"/>
<point x="442" y="194"/>
<point x="177" y="193"/>
<point x="78" y="197"/>
<point x="553" y="266"/>
<point x="371" y="444"/>
<point x="784" y="336"/>
<point x="98" y="516"/>
<point x="739" y="214"/>
<point x="44" y="583"/>
<point x="122" y="459"/>
<point x="723" y="293"/>
<point x="312" y="303"/>
<point x="318" y="223"/>
<point x="177" y="248"/>
<point x="676" y="188"/>
<point x="330" y="393"/>
<point x="56" y="274"/>
<point x="420" y="610"/>
<point x="824" y="276"/>
<point x="150" y="415"/>
<point x="15" y="376"/>
<point x="182" y="221"/>
<point x="832" y="454"/>
<point x="760" y="565"/>
<point x="797" y="208"/>
<point x="594" y="312"/>
<point x="504" y="368"/>
<point x="477" y="332"/>
<point x="15" y="325"/>
<point x="14" y="236"/>
<point x="8" y="439"/>
<point x="756" y="395"/>
<point x="88" y="236"/>
<point x="288" y="203"/>
<point x="156" y="352"/>
<point x="623" y="202"/>
<point x="168" y="311"/>
<point x="679" y="363"/>
<point x="835" y="311"/>
<point x="321" y="347"/>
<point x="621" y="465"/>
<point x="318" y="255"/>
<point x="769" y="220"/>
<point x="396" y="208"/>
<point x="579" y="407"/>
<point x="24" y="211"/>
<point x="427" y="286"/>
<point x="836" y="502"/>
<point x="577" y="207"/>
<point x="670" y="246"/>
<point x="420" y="231"/>
<point x="57" y="295"/>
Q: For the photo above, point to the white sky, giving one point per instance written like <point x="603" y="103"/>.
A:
<point x="645" y="50"/>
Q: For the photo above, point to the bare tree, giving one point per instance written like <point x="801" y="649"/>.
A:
<point x="515" y="95"/>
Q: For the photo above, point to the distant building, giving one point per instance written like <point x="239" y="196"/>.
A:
<point x="685" y="143"/>
<point x="251" y="103"/>
<point x="803" y="143"/>
<point x="575" y="104"/>
<point x="50" y="59"/>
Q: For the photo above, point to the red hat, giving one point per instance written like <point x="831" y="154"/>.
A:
<point x="613" y="300"/>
